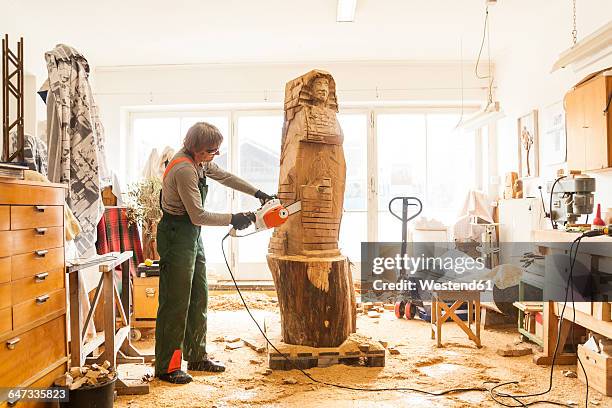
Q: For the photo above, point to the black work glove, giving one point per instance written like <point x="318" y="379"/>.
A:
<point x="263" y="197"/>
<point x="242" y="220"/>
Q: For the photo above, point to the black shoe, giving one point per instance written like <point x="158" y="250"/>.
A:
<point x="176" y="377"/>
<point x="206" y="365"/>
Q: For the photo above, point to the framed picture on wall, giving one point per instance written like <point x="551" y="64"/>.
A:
<point x="553" y="134"/>
<point x="528" y="145"/>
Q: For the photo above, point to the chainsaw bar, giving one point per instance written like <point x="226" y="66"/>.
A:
<point x="293" y="208"/>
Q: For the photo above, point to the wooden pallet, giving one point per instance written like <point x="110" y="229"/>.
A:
<point x="286" y="361"/>
<point x="309" y="357"/>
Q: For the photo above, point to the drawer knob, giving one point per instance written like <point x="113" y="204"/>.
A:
<point x="41" y="231"/>
<point x="10" y="344"/>
<point x="41" y="276"/>
<point x="40" y="208"/>
<point x="42" y="299"/>
<point x="150" y="292"/>
<point x="41" y="253"/>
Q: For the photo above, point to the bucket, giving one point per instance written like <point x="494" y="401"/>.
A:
<point x="97" y="396"/>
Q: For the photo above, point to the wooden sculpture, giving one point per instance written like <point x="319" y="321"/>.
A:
<point x="312" y="278"/>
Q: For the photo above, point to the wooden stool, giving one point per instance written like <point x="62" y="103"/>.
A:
<point x="441" y="312"/>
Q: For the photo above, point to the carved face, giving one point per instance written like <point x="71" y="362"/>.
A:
<point x="320" y="90"/>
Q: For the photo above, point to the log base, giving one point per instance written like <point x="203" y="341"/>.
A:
<point x="316" y="299"/>
<point x="356" y="350"/>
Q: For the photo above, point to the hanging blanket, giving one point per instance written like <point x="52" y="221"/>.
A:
<point x="116" y="235"/>
<point x="75" y="139"/>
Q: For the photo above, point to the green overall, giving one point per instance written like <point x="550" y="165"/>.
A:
<point x="183" y="292"/>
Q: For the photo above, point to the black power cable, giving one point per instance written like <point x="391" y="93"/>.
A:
<point x="492" y="392"/>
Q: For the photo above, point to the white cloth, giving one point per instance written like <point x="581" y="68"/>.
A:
<point x="156" y="163"/>
<point x="476" y="204"/>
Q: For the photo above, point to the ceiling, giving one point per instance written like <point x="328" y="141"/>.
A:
<point x="145" y="32"/>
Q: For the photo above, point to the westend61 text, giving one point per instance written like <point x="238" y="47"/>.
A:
<point x="431" y="285"/>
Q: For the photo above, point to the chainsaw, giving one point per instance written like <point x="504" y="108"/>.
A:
<point x="271" y="215"/>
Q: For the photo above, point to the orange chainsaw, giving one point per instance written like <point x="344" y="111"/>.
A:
<point x="271" y="215"/>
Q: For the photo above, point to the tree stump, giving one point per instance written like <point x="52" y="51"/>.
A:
<point x="316" y="299"/>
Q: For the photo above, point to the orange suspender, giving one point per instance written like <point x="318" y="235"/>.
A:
<point x="177" y="161"/>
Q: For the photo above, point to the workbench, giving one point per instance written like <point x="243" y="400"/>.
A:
<point x="117" y="345"/>
<point x="594" y="316"/>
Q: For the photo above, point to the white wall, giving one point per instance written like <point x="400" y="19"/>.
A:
<point x="526" y="83"/>
<point x="121" y="90"/>
<point x="29" y="106"/>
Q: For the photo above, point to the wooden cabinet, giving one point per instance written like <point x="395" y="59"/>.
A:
<point x="33" y="339"/>
<point x="589" y="125"/>
<point x="146" y="297"/>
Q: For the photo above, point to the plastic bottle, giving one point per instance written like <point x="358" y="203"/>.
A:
<point x="598" y="222"/>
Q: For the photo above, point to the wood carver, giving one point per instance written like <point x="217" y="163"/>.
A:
<point x="312" y="278"/>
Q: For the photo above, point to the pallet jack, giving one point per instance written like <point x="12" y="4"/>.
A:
<point x="409" y="300"/>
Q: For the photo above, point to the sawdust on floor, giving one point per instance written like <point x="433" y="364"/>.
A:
<point x="231" y="301"/>
<point x="419" y="365"/>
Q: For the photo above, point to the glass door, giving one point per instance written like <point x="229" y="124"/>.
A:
<point x="401" y="146"/>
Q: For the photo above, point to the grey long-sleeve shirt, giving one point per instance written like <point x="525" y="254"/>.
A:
<point x="180" y="193"/>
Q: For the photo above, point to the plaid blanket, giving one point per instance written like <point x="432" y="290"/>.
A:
<point x="114" y="235"/>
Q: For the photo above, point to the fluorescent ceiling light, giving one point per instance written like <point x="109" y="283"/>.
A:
<point x="490" y="114"/>
<point x="346" y="11"/>
<point x="588" y="50"/>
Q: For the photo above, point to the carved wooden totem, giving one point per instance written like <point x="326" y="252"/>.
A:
<point x="312" y="278"/>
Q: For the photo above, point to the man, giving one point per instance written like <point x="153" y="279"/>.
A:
<point x="183" y="291"/>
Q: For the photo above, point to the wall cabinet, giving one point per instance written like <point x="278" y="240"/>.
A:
<point x="589" y="124"/>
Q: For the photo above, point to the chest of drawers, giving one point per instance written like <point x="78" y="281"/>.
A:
<point x="33" y="340"/>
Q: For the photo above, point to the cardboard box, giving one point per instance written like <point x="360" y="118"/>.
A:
<point x="598" y="369"/>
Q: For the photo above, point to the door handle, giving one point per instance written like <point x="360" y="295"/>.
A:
<point x="41" y="231"/>
<point x="42" y="299"/>
<point x="41" y="253"/>
<point x="10" y="344"/>
<point x="41" y="276"/>
<point x="40" y="208"/>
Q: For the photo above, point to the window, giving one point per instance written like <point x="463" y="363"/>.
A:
<point x="353" y="228"/>
<point x="259" y="142"/>
<point x="424" y="156"/>
<point x="416" y="154"/>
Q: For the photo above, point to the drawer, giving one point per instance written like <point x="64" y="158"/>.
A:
<point x="5" y="295"/>
<point x="6" y="320"/>
<point x="33" y="239"/>
<point x="6" y="243"/>
<point x="5" y="217"/>
<point x="33" y="216"/>
<point x="5" y="269"/>
<point x="146" y="299"/>
<point x="31" y="352"/>
<point x="32" y="263"/>
<point x="23" y="194"/>
<point x="37" y="308"/>
<point x="37" y="285"/>
<point x="44" y="382"/>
